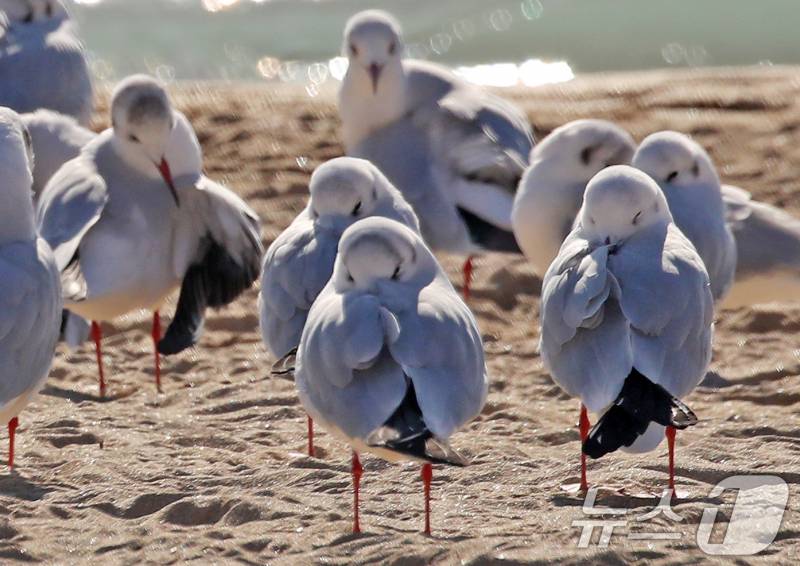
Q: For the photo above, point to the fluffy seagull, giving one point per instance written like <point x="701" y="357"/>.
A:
<point x="300" y="261"/>
<point x="690" y="183"/>
<point x="391" y="359"/>
<point x="455" y="151"/>
<point x="42" y="62"/>
<point x="30" y="292"/>
<point x="132" y="218"/>
<point x="551" y="190"/>
<point x="626" y="317"/>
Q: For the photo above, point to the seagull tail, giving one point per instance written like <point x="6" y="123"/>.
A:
<point x="639" y="403"/>
<point x="285" y="366"/>
<point x="406" y="433"/>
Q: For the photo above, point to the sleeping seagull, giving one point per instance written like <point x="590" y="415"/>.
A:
<point x="456" y="152"/>
<point x="300" y="261"/>
<point x="30" y="292"/>
<point x="690" y="183"/>
<point x="132" y="218"/>
<point x="627" y="317"/>
<point x="42" y="62"/>
<point x="391" y="359"/>
<point x="56" y="138"/>
<point x="551" y="190"/>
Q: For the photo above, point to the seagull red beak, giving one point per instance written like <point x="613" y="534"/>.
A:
<point x="163" y="168"/>
<point x="375" y="74"/>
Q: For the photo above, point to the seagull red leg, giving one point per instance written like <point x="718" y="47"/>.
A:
<point x="97" y="336"/>
<point x="467" y="277"/>
<point x="12" y="429"/>
<point x="670" y="434"/>
<point x="156" y="338"/>
<point x="427" y="476"/>
<point x="583" y="427"/>
<point x="357" y="471"/>
<point x="310" y="425"/>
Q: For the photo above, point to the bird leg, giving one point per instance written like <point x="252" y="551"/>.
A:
<point x="670" y="434"/>
<point x="427" y="476"/>
<point x="467" y="269"/>
<point x="12" y="429"/>
<point x="310" y="425"/>
<point x="357" y="471"/>
<point x="156" y="338"/>
<point x="583" y="427"/>
<point x="97" y="336"/>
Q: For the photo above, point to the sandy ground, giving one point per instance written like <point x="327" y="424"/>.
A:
<point x="213" y="470"/>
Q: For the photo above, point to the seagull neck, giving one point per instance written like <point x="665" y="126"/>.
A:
<point x="16" y="200"/>
<point x="137" y="160"/>
<point x="364" y="111"/>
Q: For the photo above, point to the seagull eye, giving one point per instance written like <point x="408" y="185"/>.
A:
<point x="350" y="278"/>
<point x="354" y="49"/>
<point x="28" y="17"/>
<point x="392" y="48"/>
<point x="396" y="273"/>
<point x="356" y="209"/>
<point x="586" y="155"/>
<point x="133" y="138"/>
<point x="671" y="177"/>
<point x="49" y="10"/>
<point x="635" y="220"/>
<point x="591" y="220"/>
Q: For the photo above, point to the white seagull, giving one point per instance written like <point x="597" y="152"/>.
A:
<point x="627" y="317"/>
<point x="551" y="190"/>
<point x="30" y="292"/>
<point x="391" y="359"/>
<point x="42" y="62"/>
<point x="132" y="218"/>
<point x="456" y="152"/>
<point x="767" y="250"/>
<point x="57" y="138"/>
<point x="690" y="183"/>
<point x="300" y="261"/>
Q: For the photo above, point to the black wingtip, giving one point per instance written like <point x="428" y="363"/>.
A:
<point x="285" y="366"/>
<point x="640" y="403"/>
<point x="489" y="236"/>
<point x="406" y="433"/>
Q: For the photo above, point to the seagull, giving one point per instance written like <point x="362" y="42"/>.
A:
<point x="391" y="359"/>
<point x="57" y="138"/>
<point x="690" y="183"/>
<point x="132" y="218"/>
<point x="551" y="190"/>
<point x="42" y="61"/>
<point x="300" y="261"/>
<point x="30" y="290"/>
<point x="767" y="250"/>
<point x="456" y="152"/>
<point x="627" y="317"/>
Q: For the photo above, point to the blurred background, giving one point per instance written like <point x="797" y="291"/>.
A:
<point x="497" y="42"/>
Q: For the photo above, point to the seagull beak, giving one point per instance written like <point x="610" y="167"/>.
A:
<point x="163" y="168"/>
<point x="375" y="74"/>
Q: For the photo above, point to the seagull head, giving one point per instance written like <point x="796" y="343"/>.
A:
<point x="343" y="191"/>
<point x="16" y="163"/>
<point x="373" y="46"/>
<point x="30" y="11"/>
<point x="676" y="162"/>
<point x="377" y="252"/>
<point x="582" y="148"/>
<point x="619" y="202"/>
<point x="143" y="121"/>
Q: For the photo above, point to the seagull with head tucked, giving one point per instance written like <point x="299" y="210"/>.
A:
<point x="132" y="218"/>
<point x="30" y="293"/>
<point x="42" y="62"/>
<point x="627" y="317"/>
<point x="391" y="359"/>
<point x="300" y="261"/>
<point x="550" y="193"/>
<point x="690" y="183"/>
<point x="455" y="151"/>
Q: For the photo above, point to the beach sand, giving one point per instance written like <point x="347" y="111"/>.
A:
<point x="213" y="470"/>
